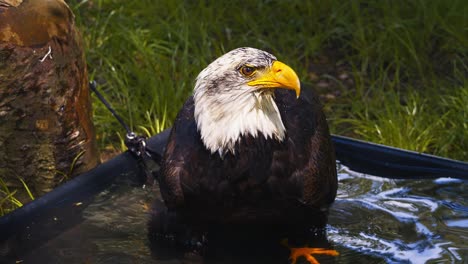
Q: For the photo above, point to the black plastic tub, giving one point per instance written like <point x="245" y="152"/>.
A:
<point x="60" y="209"/>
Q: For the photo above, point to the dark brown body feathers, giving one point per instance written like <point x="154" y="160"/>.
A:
<point x="265" y="181"/>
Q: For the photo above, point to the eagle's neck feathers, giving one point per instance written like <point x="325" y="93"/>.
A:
<point x="223" y="119"/>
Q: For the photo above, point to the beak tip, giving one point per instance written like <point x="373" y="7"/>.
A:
<point x="298" y="89"/>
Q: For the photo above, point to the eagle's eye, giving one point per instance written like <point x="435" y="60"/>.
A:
<point x="247" y="70"/>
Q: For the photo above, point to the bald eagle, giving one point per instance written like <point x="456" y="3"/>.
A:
<point x="249" y="148"/>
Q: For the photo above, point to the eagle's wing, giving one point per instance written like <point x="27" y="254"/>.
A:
<point x="178" y="160"/>
<point x="308" y="138"/>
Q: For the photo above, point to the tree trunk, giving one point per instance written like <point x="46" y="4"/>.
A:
<point x="46" y="131"/>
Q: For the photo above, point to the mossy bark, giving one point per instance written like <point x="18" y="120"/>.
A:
<point x="46" y="131"/>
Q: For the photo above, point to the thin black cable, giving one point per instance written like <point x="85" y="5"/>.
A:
<point x="135" y="144"/>
<point x="92" y="86"/>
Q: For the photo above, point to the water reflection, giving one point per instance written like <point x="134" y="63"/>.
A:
<point x="172" y="239"/>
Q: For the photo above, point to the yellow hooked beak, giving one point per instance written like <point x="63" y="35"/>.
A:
<point x="279" y="75"/>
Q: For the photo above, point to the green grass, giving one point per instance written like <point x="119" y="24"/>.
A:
<point x="9" y="199"/>
<point x="407" y="61"/>
<point x="410" y="121"/>
<point x="12" y="198"/>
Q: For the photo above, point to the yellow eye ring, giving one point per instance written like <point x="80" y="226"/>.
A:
<point x="247" y="70"/>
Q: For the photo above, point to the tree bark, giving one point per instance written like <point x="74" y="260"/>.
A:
<point x="46" y="130"/>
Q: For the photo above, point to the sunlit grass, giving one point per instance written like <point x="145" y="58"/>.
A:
<point x="410" y="122"/>
<point x="408" y="61"/>
<point x="8" y="198"/>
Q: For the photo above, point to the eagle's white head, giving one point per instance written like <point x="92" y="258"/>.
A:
<point x="233" y="97"/>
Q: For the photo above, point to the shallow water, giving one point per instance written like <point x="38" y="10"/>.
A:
<point x="374" y="220"/>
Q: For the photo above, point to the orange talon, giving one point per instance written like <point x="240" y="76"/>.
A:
<point x="307" y="253"/>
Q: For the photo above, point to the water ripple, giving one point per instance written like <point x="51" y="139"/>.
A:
<point x="409" y="221"/>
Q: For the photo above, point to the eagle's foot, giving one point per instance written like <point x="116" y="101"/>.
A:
<point x="307" y="252"/>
